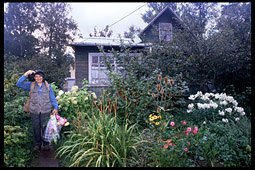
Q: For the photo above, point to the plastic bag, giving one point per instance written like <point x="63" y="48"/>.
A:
<point x="52" y="131"/>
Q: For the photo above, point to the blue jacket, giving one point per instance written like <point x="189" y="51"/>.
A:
<point x="26" y="86"/>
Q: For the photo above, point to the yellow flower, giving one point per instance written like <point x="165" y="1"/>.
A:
<point x="151" y="118"/>
<point x="157" y="123"/>
<point x="66" y="124"/>
<point x="159" y="116"/>
<point x="155" y="117"/>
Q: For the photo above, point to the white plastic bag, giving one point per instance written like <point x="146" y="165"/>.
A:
<point x="52" y="131"/>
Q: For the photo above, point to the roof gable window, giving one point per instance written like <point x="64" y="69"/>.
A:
<point x="165" y="32"/>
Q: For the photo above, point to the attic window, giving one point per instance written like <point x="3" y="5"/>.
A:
<point x="165" y="32"/>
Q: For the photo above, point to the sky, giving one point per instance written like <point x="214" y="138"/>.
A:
<point x="91" y="15"/>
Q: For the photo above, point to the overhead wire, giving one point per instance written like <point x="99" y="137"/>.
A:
<point x="127" y="15"/>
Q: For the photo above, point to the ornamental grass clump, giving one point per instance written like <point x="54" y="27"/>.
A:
<point x="214" y="107"/>
<point x="98" y="141"/>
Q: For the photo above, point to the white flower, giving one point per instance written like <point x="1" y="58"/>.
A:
<point x="204" y="122"/>
<point x="199" y="93"/>
<point x="221" y="113"/>
<point x="217" y="96"/>
<point x="192" y="97"/>
<point x="74" y="101"/>
<point x="200" y="106"/>
<point x="188" y="111"/>
<point x="68" y="93"/>
<point x="224" y="120"/>
<point x="239" y="109"/>
<point x="229" y="110"/>
<point x="224" y="102"/>
<point x="191" y="106"/>
<point x="74" y="88"/>
<point x="242" y="114"/>
<point x="235" y="103"/>
<point x="57" y="98"/>
<point x="94" y="95"/>
<point x="60" y="92"/>
<point x="204" y="97"/>
<point x="237" y="118"/>
<point x="213" y="105"/>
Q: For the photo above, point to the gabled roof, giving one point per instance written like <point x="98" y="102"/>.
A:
<point x="166" y="9"/>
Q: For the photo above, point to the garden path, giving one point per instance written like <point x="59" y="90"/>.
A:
<point x="47" y="158"/>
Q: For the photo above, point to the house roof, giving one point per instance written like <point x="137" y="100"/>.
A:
<point x="106" y="41"/>
<point x="166" y="9"/>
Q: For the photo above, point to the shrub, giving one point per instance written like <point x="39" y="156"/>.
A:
<point x="17" y="152"/>
<point x="230" y="142"/>
<point x="214" y="107"/>
<point x="76" y="100"/>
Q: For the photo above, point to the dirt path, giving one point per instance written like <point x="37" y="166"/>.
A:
<point x="47" y="159"/>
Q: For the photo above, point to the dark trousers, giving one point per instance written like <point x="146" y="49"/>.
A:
<point x="37" y="123"/>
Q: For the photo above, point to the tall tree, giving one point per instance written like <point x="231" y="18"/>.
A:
<point x="58" y="29"/>
<point x="155" y="8"/>
<point x="20" y="23"/>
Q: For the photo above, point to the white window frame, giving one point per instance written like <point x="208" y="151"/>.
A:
<point x="116" y="68"/>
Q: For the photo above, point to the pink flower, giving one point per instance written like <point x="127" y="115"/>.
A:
<point x="195" y="131"/>
<point x="187" y="133"/>
<point x="172" y="123"/>
<point x="186" y="149"/>
<point x="184" y="123"/>
<point x="188" y="143"/>
<point x="196" y="128"/>
<point x="62" y="121"/>
<point x="170" y="144"/>
<point x="188" y="129"/>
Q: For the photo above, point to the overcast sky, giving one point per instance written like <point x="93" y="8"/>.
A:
<point x="90" y="15"/>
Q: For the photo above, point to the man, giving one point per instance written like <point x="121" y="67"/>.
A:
<point x="41" y="104"/>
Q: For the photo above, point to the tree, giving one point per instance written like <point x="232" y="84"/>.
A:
<point x="20" y="23"/>
<point x="155" y="8"/>
<point x="54" y="29"/>
<point x="132" y="32"/>
<point x="214" y="56"/>
<point x="102" y="33"/>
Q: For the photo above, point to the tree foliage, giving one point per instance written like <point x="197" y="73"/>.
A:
<point x="20" y="22"/>
<point x="213" y="48"/>
<point x="36" y="33"/>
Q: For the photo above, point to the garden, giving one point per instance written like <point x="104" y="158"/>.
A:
<point x="145" y="122"/>
<point x="183" y="103"/>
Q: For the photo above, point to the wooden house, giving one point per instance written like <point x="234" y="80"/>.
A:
<point x="88" y="59"/>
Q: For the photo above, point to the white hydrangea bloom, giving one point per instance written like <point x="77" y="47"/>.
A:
<point x="60" y="92"/>
<point x="74" y="88"/>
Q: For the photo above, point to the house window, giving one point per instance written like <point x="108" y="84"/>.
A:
<point x="97" y="69"/>
<point x="165" y="32"/>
